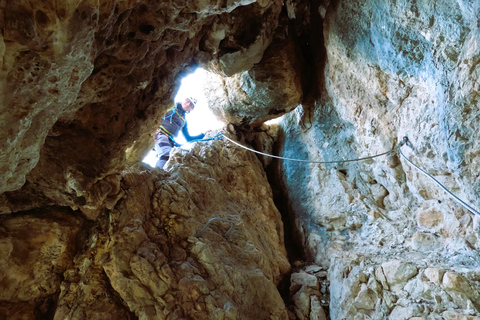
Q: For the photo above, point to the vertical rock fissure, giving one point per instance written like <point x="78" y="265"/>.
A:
<point x="294" y="247"/>
<point x="295" y="250"/>
<point x="297" y="254"/>
<point x="311" y="52"/>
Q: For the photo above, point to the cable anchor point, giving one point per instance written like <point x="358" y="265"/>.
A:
<point x="405" y="141"/>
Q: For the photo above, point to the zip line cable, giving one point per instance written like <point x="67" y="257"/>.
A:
<point x="405" y="141"/>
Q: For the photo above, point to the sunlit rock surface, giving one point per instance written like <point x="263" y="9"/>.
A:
<point x="203" y="240"/>
<point x="266" y="91"/>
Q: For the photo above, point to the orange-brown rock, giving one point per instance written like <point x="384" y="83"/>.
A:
<point x="82" y="82"/>
<point x="36" y="248"/>
<point x="202" y="240"/>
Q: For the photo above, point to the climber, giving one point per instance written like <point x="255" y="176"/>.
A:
<point x="172" y="123"/>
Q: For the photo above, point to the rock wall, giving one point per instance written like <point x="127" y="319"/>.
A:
<point x="396" y="245"/>
<point x="202" y="240"/>
<point x="83" y="82"/>
<point x="267" y="90"/>
<point x="82" y="87"/>
<point x="36" y="248"/>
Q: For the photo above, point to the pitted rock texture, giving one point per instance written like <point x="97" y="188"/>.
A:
<point x="264" y="92"/>
<point x="202" y="240"/>
<point x="82" y="82"/>
<point x="36" y="248"/>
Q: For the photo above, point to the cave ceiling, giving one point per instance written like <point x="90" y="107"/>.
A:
<point x="84" y="81"/>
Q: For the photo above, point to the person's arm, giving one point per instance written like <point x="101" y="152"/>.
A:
<point x="188" y="137"/>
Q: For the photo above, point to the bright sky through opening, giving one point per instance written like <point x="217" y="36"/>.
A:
<point x="201" y="119"/>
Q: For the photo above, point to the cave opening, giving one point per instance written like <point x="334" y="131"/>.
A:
<point x="201" y="119"/>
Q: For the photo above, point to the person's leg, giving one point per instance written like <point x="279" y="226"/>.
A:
<point x="163" y="148"/>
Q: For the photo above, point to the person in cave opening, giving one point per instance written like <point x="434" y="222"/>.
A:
<point x="172" y="123"/>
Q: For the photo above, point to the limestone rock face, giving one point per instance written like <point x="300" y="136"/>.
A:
<point x="380" y="225"/>
<point x="202" y="240"/>
<point x="89" y="232"/>
<point x="370" y="289"/>
<point x="35" y="250"/>
<point x="308" y="291"/>
<point x="236" y="41"/>
<point x="266" y="91"/>
<point x="82" y="82"/>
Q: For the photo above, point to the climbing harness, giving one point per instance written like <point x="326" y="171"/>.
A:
<point x="218" y="136"/>
<point x="173" y="111"/>
<point x="405" y="141"/>
<point x="161" y="129"/>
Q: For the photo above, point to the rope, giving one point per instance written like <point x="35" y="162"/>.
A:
<point x="463" y="203"/>
<point x="310" y="161"/>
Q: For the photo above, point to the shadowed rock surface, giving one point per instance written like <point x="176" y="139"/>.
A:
<point x="88" y="231"/>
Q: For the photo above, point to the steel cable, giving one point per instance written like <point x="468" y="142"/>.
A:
<point x="463" y="203"/>
<point x="309" y="161"/>
<point x="405" y="141"/>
